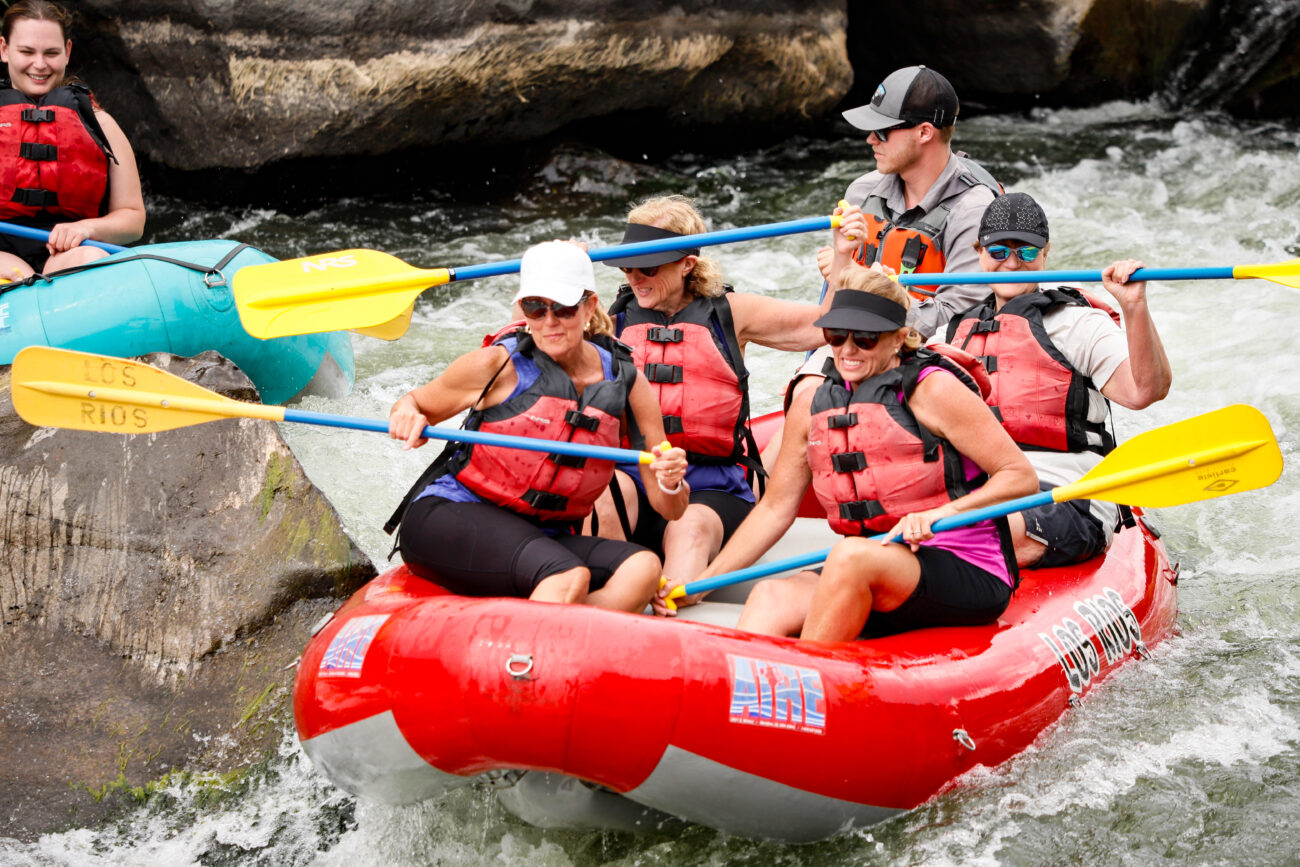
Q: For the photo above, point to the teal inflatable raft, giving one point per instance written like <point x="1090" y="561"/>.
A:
<point x="170" y="298"/>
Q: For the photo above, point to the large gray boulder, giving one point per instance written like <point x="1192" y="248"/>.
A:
<point x="242" y="83"/>
<point x="155" y="591"/>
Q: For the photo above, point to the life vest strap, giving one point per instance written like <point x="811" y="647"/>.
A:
<point x="861" y="510"/>
<point x="545" y="501"/>
<point x="663" y="373"/>
<point x="990" y="362"/>
<point x="35" y="198"/>
<point x="849" y="462"/>
<point x="986" y="326"/>
<point x="567" y="460"/>
<point x="664" y="334"/>
<point x="574" y="418"/>
<point x="913" y="254"/>
<point x="31" y="150"/>
<point x="38" y="115"/>
<point x="673" y="424"/>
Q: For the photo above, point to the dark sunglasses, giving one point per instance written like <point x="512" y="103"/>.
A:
<point x="649" y="272"/>
<point x="999" y="252"/>
<point x="883" y="134"/>
<point x="864" y="340"/>
<point x="535" y="308"/>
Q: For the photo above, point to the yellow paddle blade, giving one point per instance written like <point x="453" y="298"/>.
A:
<point x="81" y="391"/>
<point x="1286" y="273"/>
<point x="1222" y="452"/>
<point x="331" y="292"/>
<point x="392" y="329"/>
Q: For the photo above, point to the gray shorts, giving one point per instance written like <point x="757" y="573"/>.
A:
<point x="1070" y="531"/>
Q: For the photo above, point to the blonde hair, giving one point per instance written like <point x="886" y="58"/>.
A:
<point x="867" y="280"/>
<point x="677" y="214"/>
<point x="600" y="323"/>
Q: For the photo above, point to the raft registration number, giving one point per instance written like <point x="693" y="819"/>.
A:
<point x="777" y="695"/>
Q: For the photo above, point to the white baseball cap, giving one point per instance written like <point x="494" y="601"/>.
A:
<point x="556" y="270"/>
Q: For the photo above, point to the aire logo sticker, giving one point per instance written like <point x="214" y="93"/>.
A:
<point x="777" y="695"/>
<point x="1115" y="632"/>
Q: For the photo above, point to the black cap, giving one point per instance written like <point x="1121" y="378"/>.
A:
<point x="913" y="95"/>
<point x="637" y="232"/>
<point x="1013" y="217"/>
<point x="863" y="311"/>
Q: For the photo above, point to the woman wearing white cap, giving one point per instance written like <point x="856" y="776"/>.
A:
<point x="894" y="439"/>
<point x="495" y="521"/>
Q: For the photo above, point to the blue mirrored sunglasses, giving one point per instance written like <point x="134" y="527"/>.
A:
<point x="1027" y="253"/>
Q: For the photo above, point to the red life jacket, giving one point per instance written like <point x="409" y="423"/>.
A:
<point x="907" y="244"/>
<point x="1039" y="397"/>
<point x="693" y="362"/>
<point x="872" y="462"/>
<point x="53" y="155"/>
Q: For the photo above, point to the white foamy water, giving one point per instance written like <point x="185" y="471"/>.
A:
<point x="1190" y="757"/>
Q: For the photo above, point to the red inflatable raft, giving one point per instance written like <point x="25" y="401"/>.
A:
<point x="592" y="717"/>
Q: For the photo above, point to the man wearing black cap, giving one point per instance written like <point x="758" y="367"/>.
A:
<point x="1055" y="357"/>
<point x="923" y="203"/>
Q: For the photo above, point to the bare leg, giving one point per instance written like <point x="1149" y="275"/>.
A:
<point x="778" y="606"/>
<point x="76" y="256"/>
<point x="607" y="515"/>
<point x="1028" y="551"/>
<point x="631" y="585"/>
<point x="12" y="268"/>
<point x="860" y="576"/>
<point x="691" y="542"/>
<point x="569" y="586"/>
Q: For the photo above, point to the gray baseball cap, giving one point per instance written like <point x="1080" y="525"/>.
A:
<point x="913" y="95"/>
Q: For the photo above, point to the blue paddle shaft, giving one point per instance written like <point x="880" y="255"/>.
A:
<point x="965" y="519"/>
<point x="44" y="235"/>
<point x="725" y="236"/>
<point x="1140" y="274"/>
<point x="555" y="447"/>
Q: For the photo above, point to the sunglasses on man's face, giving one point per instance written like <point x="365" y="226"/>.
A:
<point x="999" y="252"/>
<point x="864" y="340"/>
<point x="535" y="308"/>
<point x="883" y="134"/>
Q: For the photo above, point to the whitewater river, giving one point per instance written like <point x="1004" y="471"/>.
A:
<point x="1191" y="757"/>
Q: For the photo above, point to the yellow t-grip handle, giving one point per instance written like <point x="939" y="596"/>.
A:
<point x="835" y="221"/>
<point x="668" y="602"/>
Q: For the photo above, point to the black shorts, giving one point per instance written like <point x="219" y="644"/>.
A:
<point x="480" y="549"/>
<point x="951" y="592"/>
<point x="650" y="525"/>
<point x="1070" y="531"/>
<point x="30" y="250"/>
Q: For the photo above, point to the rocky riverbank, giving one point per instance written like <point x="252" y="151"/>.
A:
<point x="156" y="591"/>
<point x="211" y="84"/>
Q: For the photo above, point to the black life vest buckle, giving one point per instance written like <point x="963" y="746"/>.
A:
<point x="849" y="462"/>
<point x="861" y="510"/>
<point x="664" y="373"/>
<point x="913" y="255"/>
<point x="986" y="326"/>
<point x="673" y="424"/>
<point x="573" y="418"/>
<point x="545" y="501"/>
<point x="35" y="198"/>
<point x="567" y="460"/>
<point x="38" y="115"/>
<point x="848" y="419"/>
<point x="663" y="334"/>
<point x="30" y="150"/>
<point x="990" y="362"/>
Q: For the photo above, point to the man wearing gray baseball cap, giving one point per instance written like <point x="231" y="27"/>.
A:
<point x="921" y="206"/>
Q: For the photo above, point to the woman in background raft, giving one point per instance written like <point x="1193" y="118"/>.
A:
<point x="496" y="521"/>
<point x="688" y="332"/>
<point x="894" y="439"/>
<point x="65" y="164"/>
